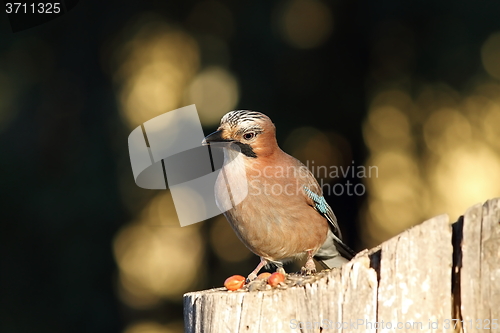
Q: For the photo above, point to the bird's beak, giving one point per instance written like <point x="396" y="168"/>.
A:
<point x="214" y="137"/>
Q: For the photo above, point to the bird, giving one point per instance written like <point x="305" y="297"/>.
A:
<point x="284" y="216"/>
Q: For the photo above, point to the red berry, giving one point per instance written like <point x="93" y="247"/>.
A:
<point x="264" y="276"/>
<point x="234" y="282"/>
<point x="275" y="279"/>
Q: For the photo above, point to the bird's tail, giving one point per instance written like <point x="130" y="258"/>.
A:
<point x="335" y="262"/>
<point x="345" y="251"/>
<point x="343" y="254"/>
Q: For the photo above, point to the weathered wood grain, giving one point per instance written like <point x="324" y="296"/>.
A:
<point x="334" y="303"/>
<point x="406" y="280"/>
<point x="480" y="272"/>
<point x="415" y="278"/>
<point x="359" y="306"/>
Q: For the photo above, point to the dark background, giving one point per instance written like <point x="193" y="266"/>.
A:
<point x="66" y="186"/>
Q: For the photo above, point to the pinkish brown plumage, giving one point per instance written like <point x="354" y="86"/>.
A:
<point x="284" y="215"/>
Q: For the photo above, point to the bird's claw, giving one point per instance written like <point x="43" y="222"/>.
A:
<point x="307" y="271"/>
<point x="309" y="268"/>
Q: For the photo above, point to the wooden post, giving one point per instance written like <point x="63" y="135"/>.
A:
<point x="434" y="277"/>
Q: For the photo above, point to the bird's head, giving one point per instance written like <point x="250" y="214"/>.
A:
<point x="253" y="132"/>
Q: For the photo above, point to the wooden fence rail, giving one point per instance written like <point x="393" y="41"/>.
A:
<point x="434" y="277"/>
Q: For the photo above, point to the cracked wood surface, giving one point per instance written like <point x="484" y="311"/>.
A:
<point x="480" y="271"/>
<point x="407" y="280"/>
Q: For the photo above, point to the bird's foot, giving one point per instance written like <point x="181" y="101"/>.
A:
<point x="307" y="271"/>
<point x="281" y="270"/>
<point x="252" y="276"/>
<point x="309" y="268"/>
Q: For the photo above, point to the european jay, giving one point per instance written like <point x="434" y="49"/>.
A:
<point x="284" y="216"/>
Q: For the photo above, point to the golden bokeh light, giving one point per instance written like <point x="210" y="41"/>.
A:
<point x="387" y="126"/>
<point x="160" y="211"/>
<point x="436" y="154"/>
<point x="445" y="129"/>
<point x="135" y="295"/>
<point x="305" y="24"/>
<point x="215" y="92"/>
<point x="156" y="65"/>
<point x="489" y="89"/>
<point x="394" y="166"/>
<point x="490" y="55"/>
<point x="491" y="123"/>
<point x="465" y="175"/>
<point x="483" y="107"/>
<point x="156" y="261"/>
<point x="433" y="97"/>
<point x="389" y="218"/>
<point x="394" y="194"/>
<point x="185" y="199"/>
<point x="225" y="243"/>
<point x="389" y="122"/>
<point x="154" y="327"/>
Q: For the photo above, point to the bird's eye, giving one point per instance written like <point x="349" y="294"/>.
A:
<point x="249" y="136"/>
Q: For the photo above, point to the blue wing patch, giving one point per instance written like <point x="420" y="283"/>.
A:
<point x="319" y="201"/>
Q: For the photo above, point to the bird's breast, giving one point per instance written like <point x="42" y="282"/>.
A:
<point x="272" y="219"/>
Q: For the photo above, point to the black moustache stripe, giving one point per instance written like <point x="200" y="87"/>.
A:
<point x="246" y="149"/>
